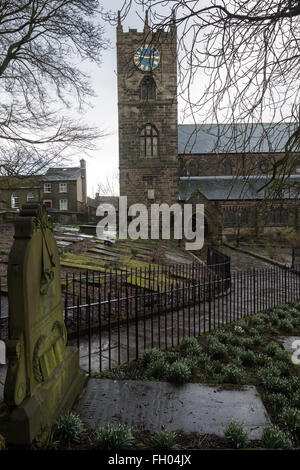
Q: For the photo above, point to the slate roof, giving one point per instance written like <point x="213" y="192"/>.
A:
<point x="62" y="174"/>
<point x="220" y="188"/>
<point x="233" y="138"/>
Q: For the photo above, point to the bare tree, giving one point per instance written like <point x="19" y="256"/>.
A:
<point x="110" y="186"/>
<point x="239" y="63"/>
<point x="41" y="44"/>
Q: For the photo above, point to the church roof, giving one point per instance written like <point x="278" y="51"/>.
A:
<point x="62" y="174"/>
<point x="233" y="138"/>
<point x="218" y="188"/>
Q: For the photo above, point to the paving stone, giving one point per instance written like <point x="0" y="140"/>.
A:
<point x="190" y="407"/>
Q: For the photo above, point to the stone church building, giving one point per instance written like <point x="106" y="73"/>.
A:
<point x="226" y="167"/>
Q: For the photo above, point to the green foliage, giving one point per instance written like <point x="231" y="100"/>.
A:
<point x="112" y="437"/>
<point x="153" y="354"/>
<point x="248" y="358"/>
<point x="272" y="348"/>
<point x="278" y="401"/>
<point x="164" y="440"/>
<point x="235" y="435"/>
<point x="274" y="438"/>
<point x="270" y="378"/>
<point x="233" y="374"/>
<point x="68" y="428"/>
<point x="286" y="325"/>
<point x="263" y="359"/>
<point x="291" y="418"/>
<point x="179" y="372"/>
<point x="190" y="347"/>
<point x="224" y="337"/>
<point x="156" y="368"/>
<point x="2" y="442"/>
<point x="296" y="399"/>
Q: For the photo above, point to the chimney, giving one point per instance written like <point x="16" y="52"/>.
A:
<point x="83" y="180"/>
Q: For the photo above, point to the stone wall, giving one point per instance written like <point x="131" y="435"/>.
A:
<point x="138" y="173"/>
<point x="221" y="164"/>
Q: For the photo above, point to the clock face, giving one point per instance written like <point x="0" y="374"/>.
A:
<point x="146" y="58"/>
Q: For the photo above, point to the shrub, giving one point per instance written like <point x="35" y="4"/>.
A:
<point x="152" y="355"/>
<point x="156" y="368"/>
<point x="217" y="350"/>
<point x="203" y="360"/>
<point x="217" y="366"/>
<point x="278" y="401"/>
<point x="246" y="342"/>
<point x="263" y="360"/>
<point x="190" y="347"/>
<point x="274" y="438"/>
<point x="256" y="340"/>
<point x="171" y="356"/>
<point x="233" y="374"/>
<point x="271" y="380"/>
<point x="296" y="399"/>
<point x="164" y="440"/>
<point x="224" y="337"/>
<point x="291" y="418"/>
<point x="2" y="442"/>
<point x="179" y="372"/>
<point x="295" y="383"/>
<point x="253" y="332"/>
<point x="68" y="428"/>
<point x="283" y="356"/>
<point x="248" y="358"/>
<point x="286" y="325"/>
<point x="272" y="349"/>
<point x="112" y="437"/>
<point x="235" y="435"/>
<point x="239" y="330"/>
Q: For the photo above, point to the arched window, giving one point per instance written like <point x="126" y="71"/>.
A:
<point x="148" y="88"/>
<point x="30" y="197"/>
<point x="14" y="201"/>
<point x="149" y="141"/>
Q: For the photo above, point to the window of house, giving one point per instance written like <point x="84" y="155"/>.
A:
<point x="30" y="197"/>
<point x="47" y="187"/>
<point x="15" y="201"/>
<point x="63" y="204"/>
<point x="278" y="216"/>
<point x="148" y="88"/>
<point x="149" y="141"/>
<point x="62" y="187"/>
<point x="47" y="203"/>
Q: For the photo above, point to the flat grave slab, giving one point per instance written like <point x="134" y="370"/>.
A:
<point x="189" y="408"/>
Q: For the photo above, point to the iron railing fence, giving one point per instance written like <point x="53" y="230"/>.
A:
<point x="116" y="330"/>
<point x="220" y="264"/>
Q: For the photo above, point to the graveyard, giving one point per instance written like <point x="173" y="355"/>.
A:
<point x="57" y="393"/>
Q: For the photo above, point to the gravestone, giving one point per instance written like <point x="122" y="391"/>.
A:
<point x="43" y="378"/>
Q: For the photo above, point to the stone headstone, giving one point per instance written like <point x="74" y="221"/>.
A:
<point x="43" y="377"/>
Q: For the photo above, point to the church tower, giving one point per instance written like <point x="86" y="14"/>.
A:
<point x="147" y="107"/>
